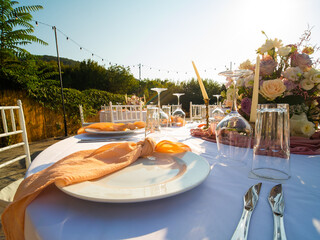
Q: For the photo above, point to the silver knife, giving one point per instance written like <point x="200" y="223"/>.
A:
<point x="277" y="205"/>
<point x="250" y="200"/>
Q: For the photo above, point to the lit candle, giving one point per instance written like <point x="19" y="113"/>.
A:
<point x="203" y="90"/>
<point x="254" y="104"/>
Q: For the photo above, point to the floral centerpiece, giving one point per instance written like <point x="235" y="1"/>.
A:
<point x="287" y="75"/>
<point x="134" y="100"/>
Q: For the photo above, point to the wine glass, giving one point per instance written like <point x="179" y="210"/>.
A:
<point x="163" y="117"/>
<point x="233" y="132"/>
<point x="178" y="116"/>
<point x="217" y="115"/>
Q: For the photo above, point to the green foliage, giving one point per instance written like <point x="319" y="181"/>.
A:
<point x="15" y="29"/>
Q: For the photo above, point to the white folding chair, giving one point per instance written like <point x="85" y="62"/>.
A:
<point x="197" y="111"/>
<point x="83" y="122"/>
<point x="125" y="113"/>
<point x="8" y="192"/>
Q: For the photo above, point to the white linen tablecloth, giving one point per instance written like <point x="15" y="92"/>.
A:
<point x="209" y="211"/>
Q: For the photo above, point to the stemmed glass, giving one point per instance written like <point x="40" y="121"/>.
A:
<point x="233" y="132"/>
<point x="163" y="117"/>
<point x="178" y="116"/>
<point x="217" y="115"/>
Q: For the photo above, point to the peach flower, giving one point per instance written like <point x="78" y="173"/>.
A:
<point x="272" y="89"/>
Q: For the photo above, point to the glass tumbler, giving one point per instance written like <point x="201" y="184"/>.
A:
<point x="152" y="128"/>
<point x="271" y="150"/>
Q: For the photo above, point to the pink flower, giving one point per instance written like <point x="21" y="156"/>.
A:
<point x="267" y="66"/>
<point x="301" y="60"/>
<point x="246" y="105"/>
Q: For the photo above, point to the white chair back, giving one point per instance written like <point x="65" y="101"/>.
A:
<point x="83" y="122"/>
<point x="10" y="129"/>
<point x="174" y="107"/>
<point x="125" y="113"/>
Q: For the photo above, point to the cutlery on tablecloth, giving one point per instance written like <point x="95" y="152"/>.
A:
<point x="277" y="205"/>
<point x="250" y="200"/>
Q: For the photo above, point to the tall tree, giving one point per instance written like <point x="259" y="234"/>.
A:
<point x="15" y="29"/>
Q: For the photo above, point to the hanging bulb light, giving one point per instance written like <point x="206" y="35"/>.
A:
<point x="37" y="23"/>
<point x="67" y="38"/>
<point x="80" y="48"/>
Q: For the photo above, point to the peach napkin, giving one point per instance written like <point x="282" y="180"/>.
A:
<point x="78" y="167"/>
<point x="108" y="126"/>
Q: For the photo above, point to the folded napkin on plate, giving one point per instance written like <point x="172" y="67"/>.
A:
<point x="108" y="126"/>
<point x="78" y="167"/>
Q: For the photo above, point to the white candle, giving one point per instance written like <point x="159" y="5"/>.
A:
<point x="255" y="94"/>
<point x="203" y="90"/>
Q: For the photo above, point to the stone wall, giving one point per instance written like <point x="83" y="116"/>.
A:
<point x="41" y="122"/>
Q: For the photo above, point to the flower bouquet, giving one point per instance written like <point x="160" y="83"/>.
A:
<point x="287" y="75"/>
<point x="134" y="100"/>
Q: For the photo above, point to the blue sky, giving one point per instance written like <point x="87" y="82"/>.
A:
<point x="167" y="35"/>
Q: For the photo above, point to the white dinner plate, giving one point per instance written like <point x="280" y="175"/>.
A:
<point x="159" y="176"/>
<point x="96" y="131"/>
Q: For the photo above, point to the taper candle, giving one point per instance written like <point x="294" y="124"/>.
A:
<point x="203" y="90"/>
<point x="255" y="94"/>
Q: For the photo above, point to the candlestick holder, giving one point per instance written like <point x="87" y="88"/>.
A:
<point x="206" y="102"/>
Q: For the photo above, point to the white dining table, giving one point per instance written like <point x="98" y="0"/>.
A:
<point x="209" y="211"/>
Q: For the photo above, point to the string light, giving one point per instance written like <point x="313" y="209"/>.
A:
<point x="110" y="63"/>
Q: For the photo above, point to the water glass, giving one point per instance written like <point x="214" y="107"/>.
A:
<point x="152" y="128"/>
<point x="271" y="151"/>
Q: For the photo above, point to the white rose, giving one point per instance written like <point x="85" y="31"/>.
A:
<point x="292" y="73"/>
<point x="306" y="84"/>
<point x="300" y="126"/>
<point x="313" y="75"/>
<point x="284" y="51"/>
<point x="307" y="129"/>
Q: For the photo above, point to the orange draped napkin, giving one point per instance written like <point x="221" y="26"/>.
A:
<point x="78" y="167"/>
<point x="108" y="126"/>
